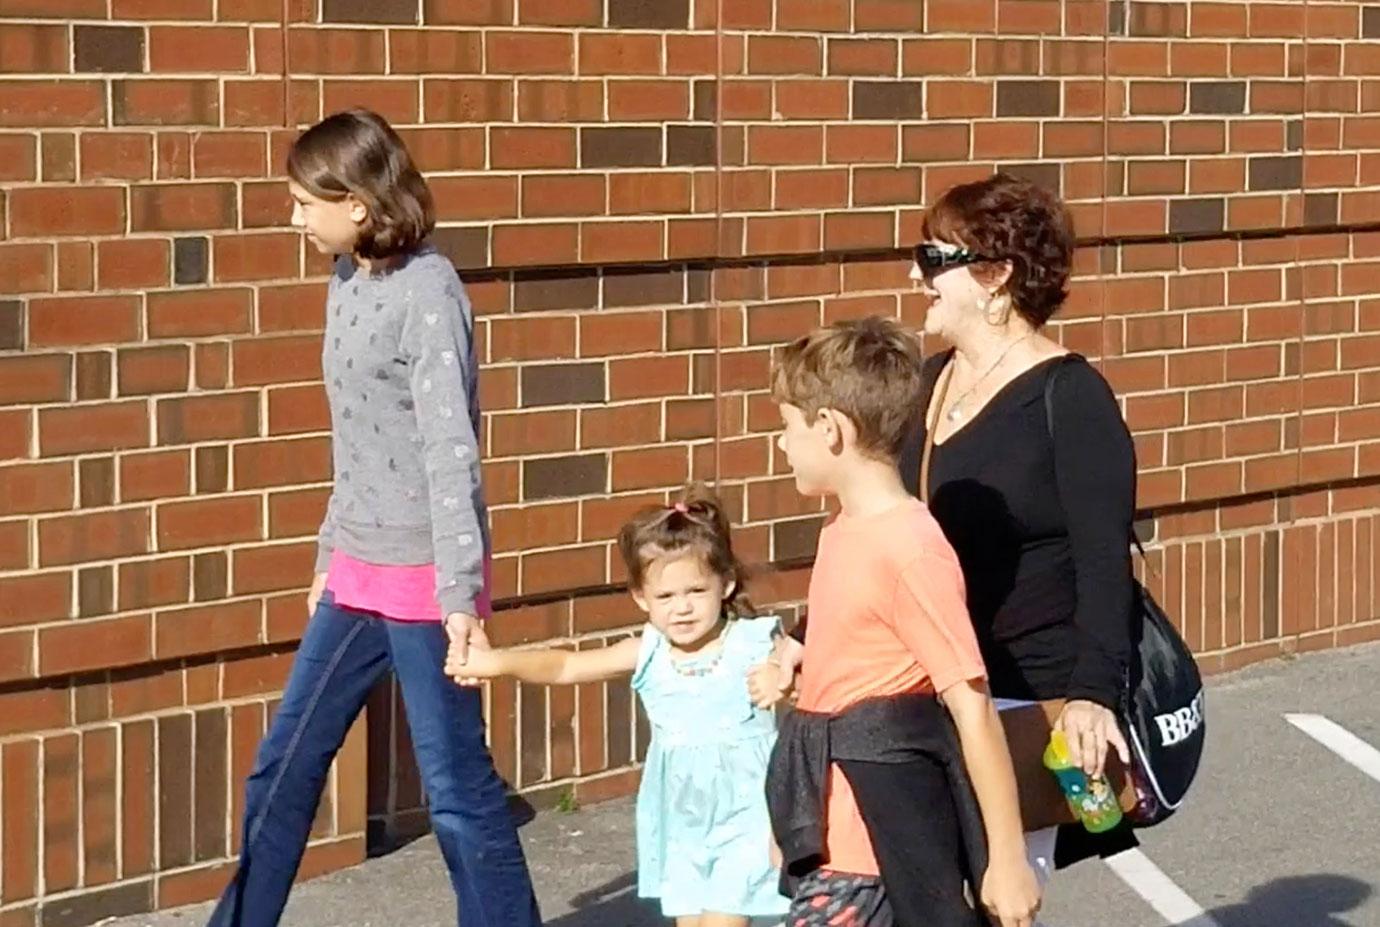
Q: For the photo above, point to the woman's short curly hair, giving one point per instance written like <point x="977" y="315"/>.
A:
<point x="1005" y="218"/>
<point x="357" y="153"/>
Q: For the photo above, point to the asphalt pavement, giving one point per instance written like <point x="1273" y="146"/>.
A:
<point x="1281" y="830"/>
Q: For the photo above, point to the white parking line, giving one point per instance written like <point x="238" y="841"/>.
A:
<point x="1149" y="882"/>
<point x="1340" y="741"/>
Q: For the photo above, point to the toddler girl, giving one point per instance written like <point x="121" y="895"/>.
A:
<point x="703" y="839"/>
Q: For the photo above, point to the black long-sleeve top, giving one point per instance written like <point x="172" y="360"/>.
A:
<point x="1041" y="525"/>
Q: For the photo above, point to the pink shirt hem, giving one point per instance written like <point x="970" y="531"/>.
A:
<point x="402" y="593"/>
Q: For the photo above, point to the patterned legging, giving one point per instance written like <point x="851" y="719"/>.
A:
<point x="839" y="899"/>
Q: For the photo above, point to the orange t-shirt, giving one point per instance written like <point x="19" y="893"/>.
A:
<point x="887" y="616"/>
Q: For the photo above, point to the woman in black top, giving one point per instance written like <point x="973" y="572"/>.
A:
<point x="1038" y="507"/>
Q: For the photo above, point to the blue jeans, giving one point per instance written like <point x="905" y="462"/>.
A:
<point x="342" y="655"/>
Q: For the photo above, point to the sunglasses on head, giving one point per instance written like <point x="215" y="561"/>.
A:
<point x="933" y="259"/>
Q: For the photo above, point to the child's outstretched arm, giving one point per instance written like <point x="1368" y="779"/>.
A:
<point x="545" y="666"/>
<point x="1009" y="889"/>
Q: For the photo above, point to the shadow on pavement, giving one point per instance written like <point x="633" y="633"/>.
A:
<point x="1299" y="901"/>
<point x="613" y="904"/>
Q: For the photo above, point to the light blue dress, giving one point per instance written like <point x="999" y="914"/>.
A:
<point x="703" y="837"/>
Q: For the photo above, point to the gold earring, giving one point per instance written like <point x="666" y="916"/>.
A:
<point x="998" y="310"/>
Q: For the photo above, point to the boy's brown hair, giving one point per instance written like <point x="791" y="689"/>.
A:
<point x="867" y="369"/>
<point x="357" y="152"/>
<point x="697" y="522"/>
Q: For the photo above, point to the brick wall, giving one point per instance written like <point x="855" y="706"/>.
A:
<point x="645" y="198"/>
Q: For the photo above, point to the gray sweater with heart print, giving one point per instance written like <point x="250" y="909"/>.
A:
<point x="401" y="379"/>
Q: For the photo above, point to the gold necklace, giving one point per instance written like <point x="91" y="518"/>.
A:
<point x="955" y="412"/>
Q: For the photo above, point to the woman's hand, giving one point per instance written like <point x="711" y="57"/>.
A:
<point x="1089" y="729"/>
<point x="770" y="682"/>
<point x="318" y="589"/>
<point x="467" y="637"/>
<point x="1010" y="893"/>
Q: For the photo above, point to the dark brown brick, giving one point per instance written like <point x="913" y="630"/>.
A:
<point x="793" y="539"/>
<point x="620" y="147"/>
<point x="1293" y="135"/>
<point x="1027" y="98"/>
<point x="212" y="469"/>
<point x="1158" y="19"/>
<point x="1276" y="173"/>
<point x="562" y="384"/>
<point x="1117" y="18"/>
<point x="369" y="11"/>
<point x="889" y="99"/>
<point x="110" y="49"/>
<point x="532" y="711"/>
<point x="1045" y="174"/>
<point x="1370" y="22"/>
<point x="1188" y="217"/>
<point x="649" y="14"/>
<point x="95" y="591"/>
<point x="93" y="375"/>
<point x="638" y="286"/>
<point x="212" y="780"/>
<point x="175" y="762"/>
<point x="694" y="146"/>
<point x="190" y="260"/>
<point x="538" y="291"/>
<point x="551" y="477"/>
<point x="1270" y="569"/>
<point x="1320" y="209"/>
<point x="97" y="481"/>
<point x="1217" y="97"/>
<point x="90" y="907"/>
<point x="466" y="247"/>
<point x="210" y="576"/>
<point x="11" y="325"/>
<point x="706" y="96"/>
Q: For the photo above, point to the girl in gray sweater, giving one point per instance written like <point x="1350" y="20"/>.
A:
<point x="403" y="546"/>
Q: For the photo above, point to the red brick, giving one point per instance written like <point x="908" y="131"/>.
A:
<point x="35" y="598"/>
<point x="84" y="428"/>
<point x="192" y="631"/>
<point x="92" y="645"/>
<point x="43" y="211"/>
<point x="261" y="361"/>
<point x="133" y="263"/>
<point x="66" y="321"/>
<point x="198" y="49"/>
<point x="208" y="418"/>
<point x="209" y="522"/>
<point x="178" y="207"/>
<point x="200" y="313"/>
<point x="619" y="54"/>
<point x="529" y="52"/>
<point x="42" y="103"/>
<point x="39" y="487"/>
<point x="165" y="102"/>
<point x="264" y="256"/>
<point x="93" y="536"/>
<point x="28" y="268"/>
<point x="336" y="51"/>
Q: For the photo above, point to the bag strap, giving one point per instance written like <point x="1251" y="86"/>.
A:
<point x="939" y="394"/>
<point x="1049" y="425"/>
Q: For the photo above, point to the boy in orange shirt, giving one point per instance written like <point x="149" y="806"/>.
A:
<point x="868" y="746"/>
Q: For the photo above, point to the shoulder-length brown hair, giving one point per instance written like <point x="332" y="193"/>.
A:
<point x="357" y="153"/>
<point x="1005" y="218"/>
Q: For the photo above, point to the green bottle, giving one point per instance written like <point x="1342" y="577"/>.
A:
<point x="1091" y="798"/>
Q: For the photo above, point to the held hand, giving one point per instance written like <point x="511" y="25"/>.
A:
<point x="318" y="588"/>
<point x="481" y="663"/>
<point x="770" y="682"/>
<point x="465" y="631"/>
<point x="1090" y="729"/>
<point x="1011" y="894"/>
